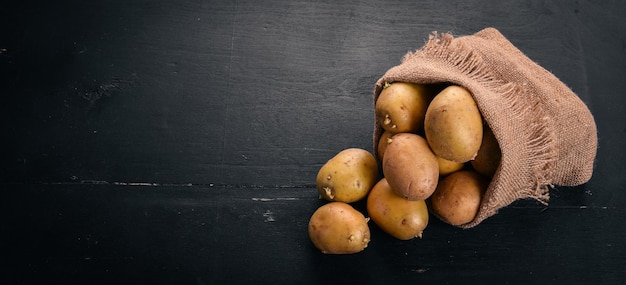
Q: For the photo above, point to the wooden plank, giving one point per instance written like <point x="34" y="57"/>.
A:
<point x="207" y="235"/>
<point x="246" y="93"/>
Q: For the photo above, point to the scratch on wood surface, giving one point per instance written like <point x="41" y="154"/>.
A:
<point x="274" y="199"/>
<point x="122" y="183"/>
<point x="269" y="216"/>
<point x="93" y="94"/>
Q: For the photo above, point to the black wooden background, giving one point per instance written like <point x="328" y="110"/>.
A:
<point x="177" y="142"/>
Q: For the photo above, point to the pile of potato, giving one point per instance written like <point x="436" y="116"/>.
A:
<point x="437" y="156"/>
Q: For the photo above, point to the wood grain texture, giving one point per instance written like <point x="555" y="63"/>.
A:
<point x="237" y="92"/>
<point x="214" y="235"/>
<point x="178" y="141"/>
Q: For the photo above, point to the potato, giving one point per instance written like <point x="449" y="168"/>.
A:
<point x="348" y="176"/>
<point x="458" y="196"/>
<point x="410" y="166"/>
<point x="401" y="107"/>
<point x="383" y="141"/>
<point x="399" y="217"/>
<point x="453" y="125"/>
<point x="489" y="154"/>
<point x="447" y="166"/>
<point x="338" y="228"/>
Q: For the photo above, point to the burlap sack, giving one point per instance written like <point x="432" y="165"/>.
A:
<point x="546" y="133"/>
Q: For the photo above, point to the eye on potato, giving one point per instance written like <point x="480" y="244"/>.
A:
<point x="338" y="228"/>
<point x="410" y="166"/>
<point x="401" y="106"/>
<point x="458" y="196"/>
<point x="348" y="176"/>
<point x="453" y="125"/>
<point x="399" y="217"/>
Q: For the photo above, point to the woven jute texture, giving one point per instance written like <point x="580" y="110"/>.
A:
<point x="547" y="135"/>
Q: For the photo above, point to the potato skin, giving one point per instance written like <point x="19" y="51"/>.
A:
<point x="447" y="166"/>
<point x="401" y="107"/>
<point x="458" y="196"/>
<point x="338" y="228"/>
<point x="410" y="167"/>
<point x="399" y="217"/>
<point x="348" y="176"/>
<point x="489" y="154"/>
<point x="453" y="125"/>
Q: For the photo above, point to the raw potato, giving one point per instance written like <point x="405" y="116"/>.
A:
<point x="338" y="228"/>
<point x="401" y="218"/>
<point x="447" y="166"/>
<point x="410" y="166"/>
<point x="458" y="197"/>
<point x="489" y="154"/>
<point x="348" y="176"/>
<point x="401" y="107"/>
<point x="453" y="125"/>
<point x="384" y="140"/>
